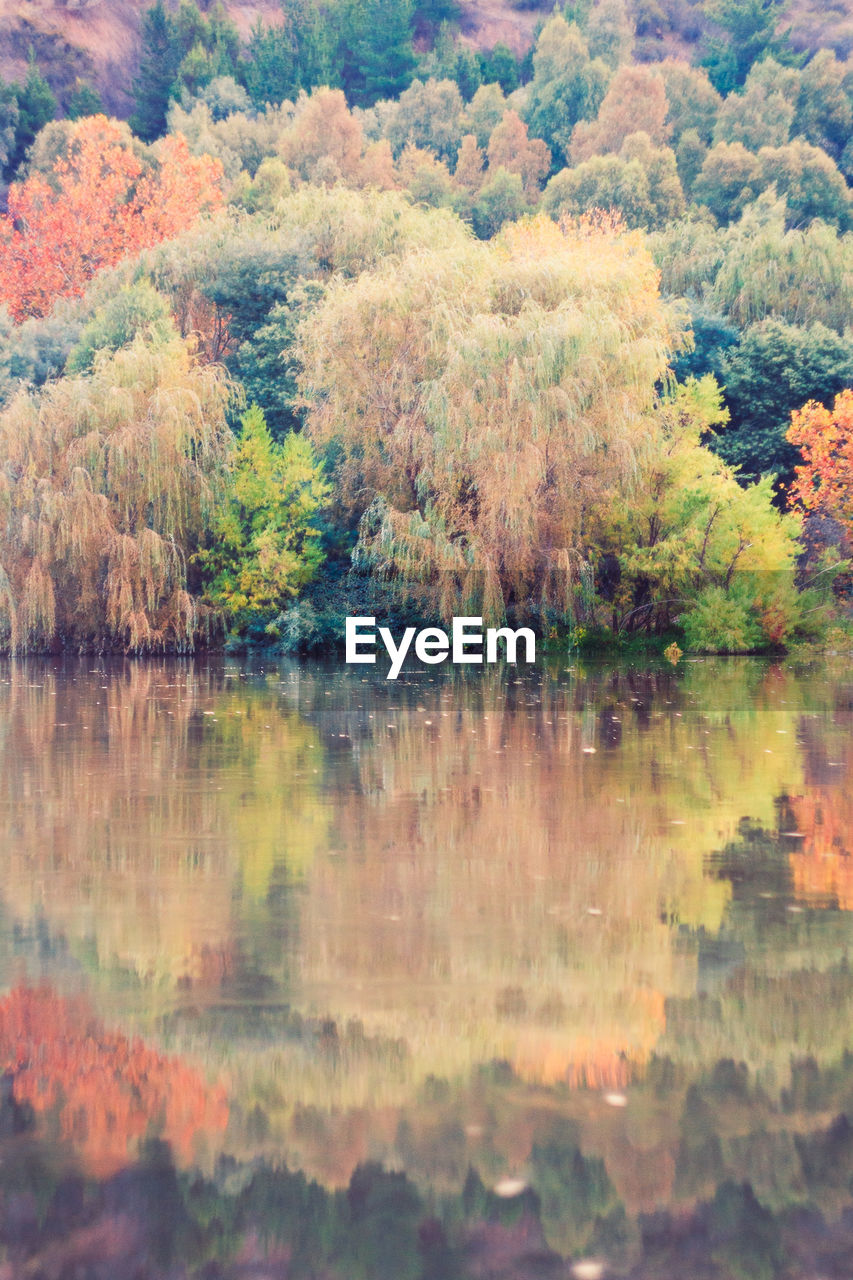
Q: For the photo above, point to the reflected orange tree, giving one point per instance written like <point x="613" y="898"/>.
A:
<point x="102" y="1091"/>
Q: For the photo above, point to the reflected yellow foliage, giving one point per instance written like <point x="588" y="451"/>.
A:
<point x="510" y="867"/>
<point x="434" y="873"/>
<point x="138" y="799"/>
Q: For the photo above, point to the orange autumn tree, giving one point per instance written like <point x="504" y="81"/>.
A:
<point x="99" y="1090"/>
<point x="103" y="203"/>
<point x="824" y="483"/>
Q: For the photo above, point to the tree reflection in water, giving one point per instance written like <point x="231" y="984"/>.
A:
<point x="431" y="949"/>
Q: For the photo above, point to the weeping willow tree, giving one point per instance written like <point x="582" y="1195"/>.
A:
<point x="106" y="486"/>
<point x="479" y="400"/>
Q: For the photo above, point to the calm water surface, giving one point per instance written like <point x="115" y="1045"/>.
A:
<point x="305" y="973"/>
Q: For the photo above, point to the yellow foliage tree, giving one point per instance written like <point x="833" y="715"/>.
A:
<point x="479" y="398"/>
<point x="106" y="483"/>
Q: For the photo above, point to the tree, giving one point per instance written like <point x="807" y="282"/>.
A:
<point x="500" y="66"/>
<point x="661" y="169"/>
<point x="635" y="102"/>
<point x="84" y="101"/>
<point x="450" y="60"/>
<point x="469" y="165"/>
<point x="324" y="130"/>
<point x="775" y="368"/>
<point x="760" y="116"/>
<point x="690" y="536"/>
<point x="427" y="115"/>
<point x="482" y="430"/>
<point x="728" y="180"/>
<point x="264" y="542"/>
<point x="824" y="437"/>
<point x="750" y="33"/>
<point x="158" y="66"/>
<point x="510" y="147"/>
<point x="210" y="44"/>
<point x="500" y="199"/>
<point x="690" y="153"/>
<point x="8" y="127"/>
<point x="136" y="309"/>
<point x="427" y="179"/>
<point x="106" y="207"/>
<point x="484" y="113"/>
<point x="641" y="184"/>
<point x="609" y="32"/>
<point x="297" y="54"/>
<point x="692" y="101"/>
<point x="824" y="111"/>
<point x="272" y="71"/>
<point x="108" y="482"/>
<point x="607" y="183"/>
<point x="567" y="86"/>
<point x="64" y="1061"/>
<point x="376" y="55"/>
<point x="36" y="106"/>
<point x="809" y="181"/>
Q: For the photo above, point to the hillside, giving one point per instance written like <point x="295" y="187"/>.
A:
<point x="98" y="40"/>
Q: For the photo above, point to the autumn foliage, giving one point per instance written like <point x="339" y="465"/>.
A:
<point x="104" y="203"/>
<point x="106" y="1092"/>
<point x="824" y="483"/>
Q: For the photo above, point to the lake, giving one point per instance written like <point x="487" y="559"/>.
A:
<point x="514" y="974"/>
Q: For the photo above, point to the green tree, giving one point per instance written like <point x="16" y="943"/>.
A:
<point x="427" y="115"/>
<point x="692" y="101"/>
<point x="84" y="101"/>
<point x="298" y="54"/>
<point x="762" y="115"/>
<point x="691" y="537"/>
<point x="8" y="127"/>
<point x="270" y="71"/>
<point x="264" y="543"/>
<point x="810" y="182"/>
<point x="824" y="111"/>
<point x="728" y="180"/>
<point x="484" y="113"/>
<point x="777" y="367"/>
<point x="500" y="66"/>
<point x="761" y="269"/>
<point x="36" y="106"/>
<point x="690" y="153"/>
<point x="450" y="60"/>
<point x="567" y="86"/>
<point x="609" y="32"/>
<point x="500" y="199"/>
<point x="158" y="67"/>
<point x="210" y="44"/>
<point x="641" y="184"/>
<point x="375" y="52"/>
<point x="749" y="32"/>
<point x="136" y="309"/>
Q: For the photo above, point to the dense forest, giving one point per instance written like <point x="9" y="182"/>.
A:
<point x="351" y="316"/>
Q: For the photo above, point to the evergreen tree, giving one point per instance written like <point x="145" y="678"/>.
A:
<point x="749" y="34"/>
<point x="84" y="101"/>
<point x="500" y="66"/>
<point x="36" y="106"/>
<point x="270" y="73"/>
<point x="376" y="55"/>
<point x="158" y="67"/>
<point x="8" y="126"/>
